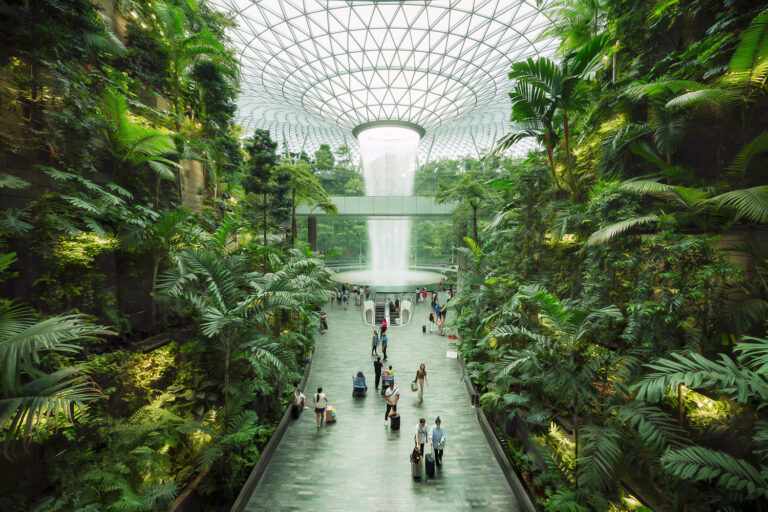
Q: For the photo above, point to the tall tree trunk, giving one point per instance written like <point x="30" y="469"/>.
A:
<point x="227" y="357"/>
<point x="293" y="217"/>
<point x="551" y="160"/>
<point x="568" y="148"/>
<point x="265" y="231"/>
<point x="153" y="300"/>
<point x="575" y="420"/>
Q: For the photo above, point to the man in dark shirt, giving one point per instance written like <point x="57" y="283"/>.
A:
<point x="377" y="370"/>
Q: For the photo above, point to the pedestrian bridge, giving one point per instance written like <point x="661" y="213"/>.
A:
<point x="389" y="207"/>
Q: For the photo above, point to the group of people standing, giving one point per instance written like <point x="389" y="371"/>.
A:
<point x="437" y="314"/>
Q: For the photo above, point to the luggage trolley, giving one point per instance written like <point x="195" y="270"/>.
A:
<point x="359" y="388"/>
<point x="386" y="378"/>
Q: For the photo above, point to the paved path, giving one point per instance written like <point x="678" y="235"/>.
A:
<point x="357" y="463"/>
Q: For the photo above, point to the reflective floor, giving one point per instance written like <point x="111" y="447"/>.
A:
<point x="358" y="463"/>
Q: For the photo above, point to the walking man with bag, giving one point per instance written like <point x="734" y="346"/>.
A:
<point x="392" y="395"/>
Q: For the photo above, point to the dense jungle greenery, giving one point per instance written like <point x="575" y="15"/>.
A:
<point x="149" y="331"/>
<point x="600" y="307"/>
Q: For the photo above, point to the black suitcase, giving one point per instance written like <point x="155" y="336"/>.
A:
<point x="424" y="329"/>
<point x="295" y="410"/>
<point x="394" y="422"/>
<point x="429" y="464"/>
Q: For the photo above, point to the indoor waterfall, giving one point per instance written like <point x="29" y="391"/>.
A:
<point x="389" y="167"/>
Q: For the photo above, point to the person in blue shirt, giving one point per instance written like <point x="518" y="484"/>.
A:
<point x="384" y="344"/>
<point x="437" y="440"/>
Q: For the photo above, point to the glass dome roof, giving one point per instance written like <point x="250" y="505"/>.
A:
<point x="314" y="70"/>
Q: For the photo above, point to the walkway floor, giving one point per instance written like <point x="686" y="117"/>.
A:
<point x="357" y="463"/>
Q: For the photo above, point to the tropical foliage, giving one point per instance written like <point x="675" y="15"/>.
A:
<point x="608" y="324"/>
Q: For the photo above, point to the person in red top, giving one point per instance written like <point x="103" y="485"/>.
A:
<point x="383" y="327"/>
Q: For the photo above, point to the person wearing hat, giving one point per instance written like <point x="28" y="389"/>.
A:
<point x="420" y="437"/>
<point x="437" y="440"/>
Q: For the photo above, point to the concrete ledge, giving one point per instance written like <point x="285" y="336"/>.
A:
<point x="268" y="452"/>
<point x="498" y="451"/>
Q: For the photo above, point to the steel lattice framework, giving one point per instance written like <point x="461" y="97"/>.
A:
<point x="313" y="70"/>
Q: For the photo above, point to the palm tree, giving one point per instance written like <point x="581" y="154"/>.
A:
<point x="239" y="309"/>
<point x="532" y="114"/>
<point x="468" y="189"/>
<point x="168" y="232"/>
<point x="305" y="189"/>
<point x="32" y="400"/>
<point x="134" y="144"/>
<point x="575" y="22"/>
<point x="565" y="330"/>
<point x="559" y="83"/>
<point x="186" y="48"/>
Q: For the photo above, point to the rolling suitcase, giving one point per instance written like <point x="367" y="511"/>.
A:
<point x="416" y="470"/>
<point x="429" y="464"/>
<point x="394" y="422"/>
<point x="330" y="414"/>
<point x="424" y="329"/>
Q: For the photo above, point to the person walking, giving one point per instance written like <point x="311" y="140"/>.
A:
<point x="384" y="344"/>
<point x="375" y="343"/>
<point x="383" y="326"/>
<point x="323" y="322"/>
<point x="393" y="396"/>
<point x="421" y="380"/>
<point x="377" y="364"/>
<point x="437" y="440"/>
<point x="431" y="319"/>
<point x="333" y="297"/>
<point x="319" y="401"/>
<point x="420" y="437"/>
<point x="418" y="297"/>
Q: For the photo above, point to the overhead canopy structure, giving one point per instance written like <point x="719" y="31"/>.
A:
<point x="313" y="71"/>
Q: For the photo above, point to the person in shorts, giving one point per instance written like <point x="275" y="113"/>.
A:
<point x="319" y="400"/>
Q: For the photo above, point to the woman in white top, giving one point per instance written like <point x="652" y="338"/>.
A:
<point x="318" y="399"/>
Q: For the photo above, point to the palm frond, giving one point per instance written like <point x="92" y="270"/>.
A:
<point x="753" y="354"/>
<point x="12" y="182"/>
<point x="721" y="98"/>
<point x="700" y="464"/>
<point x="697" y="372"/>
<point x="750" y="203"/>
<point x="600" y="456"/>
<point x="656" y="428"/>
<point x="608" y="233"/>
<point x="754" y="147"/>
<point x="753" y="47"/>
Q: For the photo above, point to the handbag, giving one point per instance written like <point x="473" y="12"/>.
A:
<point x="414" y="386"/>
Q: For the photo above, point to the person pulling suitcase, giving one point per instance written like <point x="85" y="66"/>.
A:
<point x="437" y="440"/>
<point x="420" y="437"/>
<point x="392" y="395"/>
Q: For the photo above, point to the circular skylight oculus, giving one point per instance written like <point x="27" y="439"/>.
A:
<point x="313" y="70"/>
